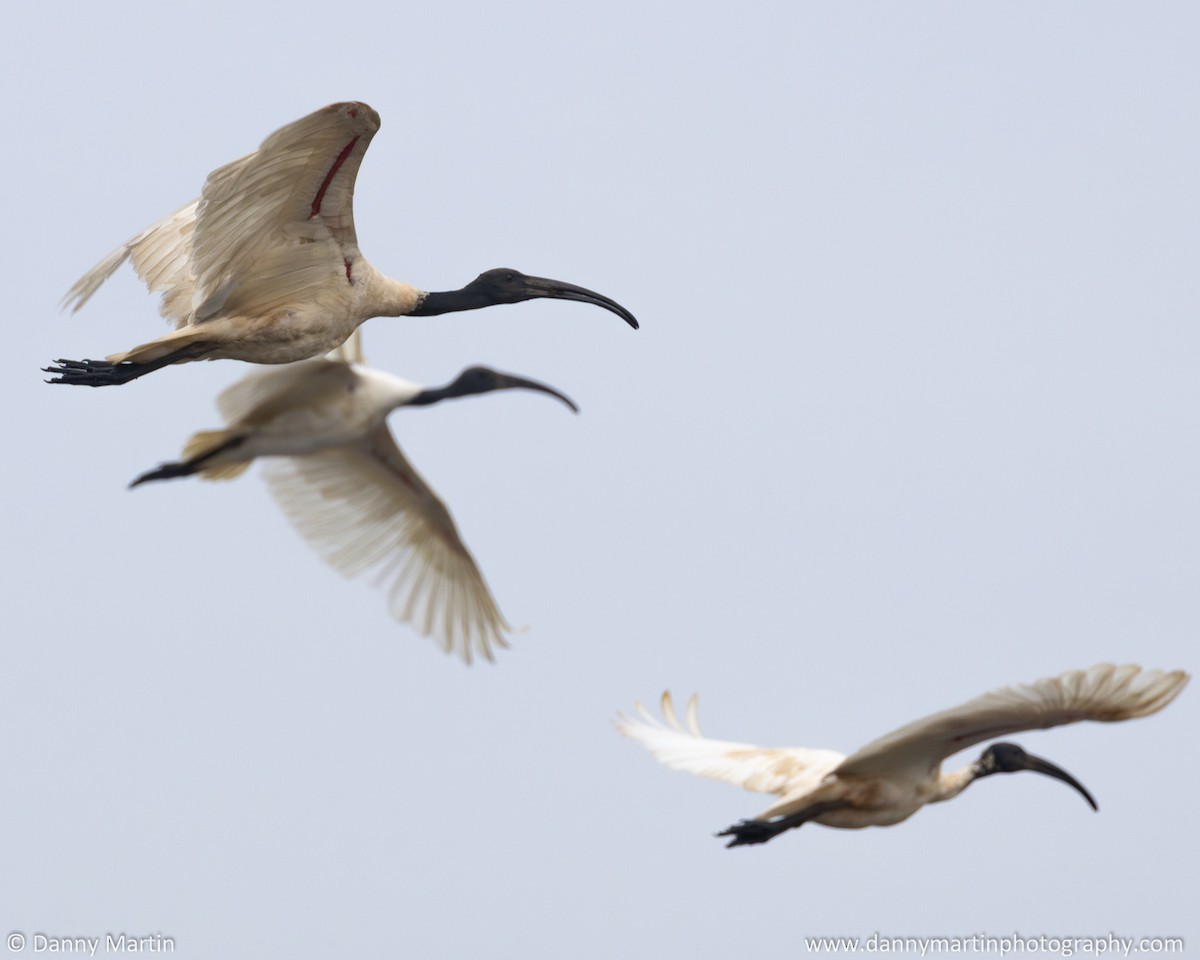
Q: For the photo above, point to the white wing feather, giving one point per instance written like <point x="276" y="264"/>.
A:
<point x="252" y="397"/>
<point x="350" y="350"/>
<point x="365" y="508"/>
<point x="280" y="220"/>
<point x="161" y="256"/>
<point x="267" y="228"/>
<point x="762" y="769"/>
<point x="1104" y="692"/>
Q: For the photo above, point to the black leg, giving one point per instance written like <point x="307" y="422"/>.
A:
<point x="746" y="832"/>
<point x="104" y="373"/>
<point x="168" y="471"/>
<point x="185" y="468"/>
<point x="98" y="373"/>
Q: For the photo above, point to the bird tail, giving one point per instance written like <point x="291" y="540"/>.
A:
<point x="188" y="341"/>
<point x="207" y="444"/>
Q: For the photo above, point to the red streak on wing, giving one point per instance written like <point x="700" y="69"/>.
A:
<point x="337" y="165"/>
<point x="407" y="481"/>
<point x="400" y="475"/>
<point x="349" y="279"/>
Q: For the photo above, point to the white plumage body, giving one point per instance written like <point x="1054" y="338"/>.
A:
<point x="310" y="406"/>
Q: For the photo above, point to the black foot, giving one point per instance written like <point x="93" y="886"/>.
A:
<point x="168" y="471"/>
<point x="95" y="373"/>
<point x="745" y="832"/>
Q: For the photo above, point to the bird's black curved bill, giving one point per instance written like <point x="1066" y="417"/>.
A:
<point x="1038" y="765"/>
<point x="511" y="382"/>
<point x="558" y="290"/>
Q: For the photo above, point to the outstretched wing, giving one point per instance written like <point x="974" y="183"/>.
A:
<point x="763" y="769"/>
<point x="161" y="255"/>
<point x="365" y="508"/>
<point x="267" y="229"/>
<point x="281" y="220"/>
<point x="1104" y="692"/>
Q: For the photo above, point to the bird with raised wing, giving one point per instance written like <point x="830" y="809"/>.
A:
<point x="890" y="779"/>
<point x="339" y="476"/>
<point x="265" y="266"/>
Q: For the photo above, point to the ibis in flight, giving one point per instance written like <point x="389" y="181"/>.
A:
<point x="890" y="779"/>
<point x="345" y="485"/>
<point x="265" y="266"/>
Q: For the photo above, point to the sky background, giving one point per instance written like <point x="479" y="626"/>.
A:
<point x="912" y="414"/>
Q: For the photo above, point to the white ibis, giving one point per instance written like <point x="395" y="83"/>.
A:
<point x="344" y="484"/>
<point x="890" y="779"/>
<point x="265" y="266"/>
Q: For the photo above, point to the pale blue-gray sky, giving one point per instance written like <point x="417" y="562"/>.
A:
<point x="912" y="414"/>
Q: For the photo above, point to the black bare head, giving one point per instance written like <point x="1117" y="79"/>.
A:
<point x="505" y="285"/>
<point x="1009" y="758"/>
<point x="484" y="380"/>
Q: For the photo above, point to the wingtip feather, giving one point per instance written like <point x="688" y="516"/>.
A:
<point x="693" y="714"/>
<point x="668" y="711"/>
